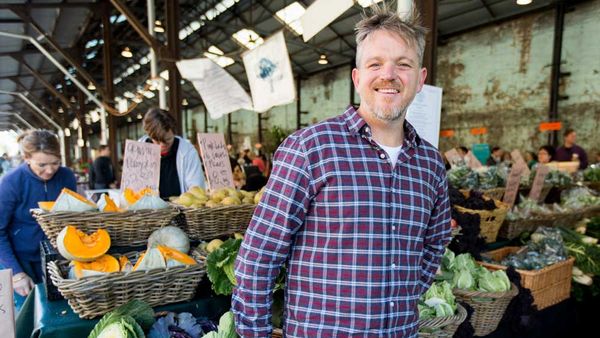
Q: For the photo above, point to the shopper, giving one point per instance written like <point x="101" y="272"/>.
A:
<point x="356" y="205"/>
<point x="40" y="178"/>
<point x="180" y="167"/>
<point x="496" y="157"/>
<point x="570" y="151"/>
<point x="102" y="169"/>
<point x="545" y="154"/>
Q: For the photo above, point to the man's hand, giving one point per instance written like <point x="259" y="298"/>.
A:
<point x="22" y="284"/>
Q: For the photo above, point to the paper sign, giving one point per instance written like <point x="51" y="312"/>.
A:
<point x="424" y="113"/>
<point x="538" y="182"/>
<point x="141" y="166"/>
<point x="320" y="14"/>
<point x="512" y="184"/>
<point x="479" y="131"/>
<point x="472" y="161"/>
<point x="209" y="79"/>
<point x="453" y="157"/>
<point x="216" y="161"/>
<point x="7" y="304"/>
<point x="549" y="126"/>
<point x="518" y="159"/>
<point x="447" y="133"/>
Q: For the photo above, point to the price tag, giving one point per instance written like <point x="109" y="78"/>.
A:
<point x="7" y="304"/>
<point x="518" y="158"/>
<point x="453" y="157"/>
<point x="538" y="182"/>
<point x="512" y="184"/>
<point x="141" y="166"/>
<point x="216" y="161"/>
<point x="472" y="161"/>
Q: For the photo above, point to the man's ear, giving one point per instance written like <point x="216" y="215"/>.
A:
<point x="423" y="76"/>
<point x="355" y="77"/>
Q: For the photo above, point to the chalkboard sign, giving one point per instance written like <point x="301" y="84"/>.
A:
<point x="216" y="161"/>
<point x="7" y="315"/>
<point x="141" y="166"/>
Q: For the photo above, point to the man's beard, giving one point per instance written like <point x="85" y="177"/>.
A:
<point x="389" y="115"/>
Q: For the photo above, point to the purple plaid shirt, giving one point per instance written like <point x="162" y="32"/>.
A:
<point x="362" y="240"/>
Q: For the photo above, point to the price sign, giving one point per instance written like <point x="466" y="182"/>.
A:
<point x="473" y="162"/>
<point x="453" y="157"/>
<point x="216" y="161"/>
<point x="7" y="304"/>
<point x="538" y="182"/>
<point x="141" y="166"/>
<point x="512" y="184"/>
<point x="518" y="158"/>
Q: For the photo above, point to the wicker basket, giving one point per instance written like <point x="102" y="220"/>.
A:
<point x="567" y="219"/>
<point x="443" y="326"/>
<point x="129" y="228"/>
<point x="593" y="185"/>
<point x="549" y="285"/>
<point x="524" y="191"/>
<point x="491" y="220"/>
<point x="211" y="223"/>
<point x="94" y="296"/>
<point x="590" y="212"/>
<point x="495" y="194"/>
<point x="489" y="307"/>
<point x="512" y="229"/>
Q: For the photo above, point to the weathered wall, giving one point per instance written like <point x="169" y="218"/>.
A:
<point x="499" y="78"/>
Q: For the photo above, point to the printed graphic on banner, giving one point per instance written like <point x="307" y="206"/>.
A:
<point x="216" y="160"/>
<point x="269" y="74"/>
<point x="210" y="80"/>
<point x="141" y="166"/>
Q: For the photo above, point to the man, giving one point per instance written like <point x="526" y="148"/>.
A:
<point x="102" y="169"/>
<point x="357" y="206"/>
<point x="570" y="151"/>
<point x="496" y="156"/>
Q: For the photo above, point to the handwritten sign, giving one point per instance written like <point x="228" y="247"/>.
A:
<point x="7" y="304"/>
<point x="512" y="184"/>
<point x="472" y="161"/>
<point x="141" y="166"/>
<point x="216" y="161"/>
<point x="538" y="182"/>
<point x="518" y="158"/>
<point x="453" y="157"/>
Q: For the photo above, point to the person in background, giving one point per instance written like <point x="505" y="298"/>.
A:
<point x="530" y="158"/>
<point x="40" y="178"/>
<point x="570" y="151"/>
<point x="180" y="167"/>
<point x="4" y="164"/>
<point x="545" y="154"/>
<point x="102" y="168"/>
<point x="356" y="205"/>
<point x="496" y="157"/>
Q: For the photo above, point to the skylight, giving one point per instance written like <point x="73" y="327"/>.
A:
<point x="367" y="3"/>
<point x="248" y="38"/>
<point x="291" y="16"/>
<point x="218" y="57"/>
<point x="210" y="14"/>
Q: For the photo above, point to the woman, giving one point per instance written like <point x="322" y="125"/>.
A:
<point x="545" y="154"/>
<point x="39" y="178"/>
<point x="180" y="167"/>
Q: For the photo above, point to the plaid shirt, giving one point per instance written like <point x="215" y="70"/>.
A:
<point x="362" y="240"/>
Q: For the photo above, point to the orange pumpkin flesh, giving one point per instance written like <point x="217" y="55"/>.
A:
<point x="104" y="264"/>
<point x="179" y="256"/>
<point x="46" y="206"/>
<point x="75" y="245"/>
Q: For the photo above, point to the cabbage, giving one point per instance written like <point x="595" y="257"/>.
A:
<point x="463" y="280"/>
<point x="438" y="301"/>
<point x="494" y="282"/>
<point x="465" y="262"/>
<point x="117" y="326"/>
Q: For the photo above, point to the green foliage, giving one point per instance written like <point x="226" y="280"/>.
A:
<point x="273" y="138"/>
<point x="219" y="264"/>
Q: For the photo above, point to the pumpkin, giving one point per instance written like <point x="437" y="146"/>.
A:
<point x="151" y="259"/>
<point x="170" y="236"/>
<point x="174" y="257"/>
<point x="68" y="200"/>
<point x="149" y="202"/>
<point x="104" y="264"/>
<point x="75" y="245"/>
<point x="106" y="204"/>
<point x="46" y="206"/>
<point x="124" y="264"/>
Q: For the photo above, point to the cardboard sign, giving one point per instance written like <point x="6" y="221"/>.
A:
<point x="512" y="184"/>
<point x="7" y="304"/>
<point x="216" y="161"/>
<point x="453" y="157"/>
<point x="141" y="166"/>
<point x="518" y="159"/>
<point x="472" y="161"/>
<point x="538" y="182"/>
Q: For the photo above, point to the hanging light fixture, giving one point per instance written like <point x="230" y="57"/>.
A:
<point x="524" y="2"/>
<point x="184" y="102"/>
<point x="126" y="53"/>
<point x="91" y="86"/>
<point x="61" y="110"/>
<point x="323" y="60"/>
<point x="139" y="116"/>
<point x="158" y="27"/>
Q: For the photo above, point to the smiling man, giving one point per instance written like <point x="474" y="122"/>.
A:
<point x="356" y="205"/>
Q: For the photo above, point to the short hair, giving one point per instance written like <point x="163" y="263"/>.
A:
<point x="464" y="149"/>
<point x="383" y="18"/>
<point x="549" y="149"/>
<point x="102" y="147"/>
<point x="568" y="131"/>
<point x="495" y="148"/>
<point x="157" y="123"/>
<point x="34" y="141"/>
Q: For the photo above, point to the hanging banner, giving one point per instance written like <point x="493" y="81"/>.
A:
<point x="269" y="74"/>
<point x="320" y="14"/>
<point x="424" y="113"/>
<point x="220" y="92"/>
<point x="141" y="166"/>
<point x="215" y="160"/>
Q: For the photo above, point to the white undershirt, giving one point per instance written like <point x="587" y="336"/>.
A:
<point x="392" y="153"/>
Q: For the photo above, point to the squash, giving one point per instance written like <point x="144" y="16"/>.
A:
<point x="174" y="257"/>
<point x="124" y="264"/>
<point x="151" y="259"/>
<point x="148" y="201"/>
<point x="46" y="206"/>
<point x="75" y="245"/>
<point x="68" y="200"/>
<point x="170" y="236"/>
<point x="103" y="265"/>
<point x="106" y="204"/>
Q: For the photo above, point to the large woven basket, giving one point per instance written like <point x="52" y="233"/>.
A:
<point x="489" y="307"/>
<point x="491" y="220"/>
<point x="211" y="223"/>
<point x="443" y="326"/>
<point x="94" y="296"/>
<point x="513" y="228"/>
<point x="128" y="228"/>
<point x="567" y="219"/>
<point x="590" y="212"/>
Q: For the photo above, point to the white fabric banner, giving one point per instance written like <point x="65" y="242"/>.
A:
<point x="269" y="74"/>
<point x="221" y="93"/>
<point x="320" y="14"/>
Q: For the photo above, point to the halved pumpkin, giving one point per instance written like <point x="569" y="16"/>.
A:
<point x="106" y="204"/>
<point x="75" y="245"/>
<point x="46" y="206"/>
<point x="151" y="259"/>
<point x="130" y="196"/>
<point x="102" y="265"/>
<point x="124" y="264"/>
<point x="68" y="200"/>
<point x="175" y="257"/>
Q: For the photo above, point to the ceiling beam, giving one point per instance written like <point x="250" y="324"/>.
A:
<point x="46" y="84"/>
<point x="36" y="100"/>
<point x="72" y="4"/>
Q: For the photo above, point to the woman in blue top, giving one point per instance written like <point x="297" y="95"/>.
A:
<point x="39" y="178"/>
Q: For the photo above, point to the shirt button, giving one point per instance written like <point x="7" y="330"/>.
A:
<point x="382" y="155"/>
<point x="391" y="304"/>
<point x="367" y="130"/>
<point x="393" y="266"/>
<point x="394" y="227"/>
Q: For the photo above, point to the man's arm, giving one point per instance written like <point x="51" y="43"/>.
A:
<point x="267" y="242"/>
<point x="438" y="235"/>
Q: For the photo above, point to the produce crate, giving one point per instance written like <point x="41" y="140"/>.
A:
<point x="210" y="223"/>
<point x="489" y="307"/>
<point x="128" y="228"/>
<point x="94" y="296"/>
<point x="443" y="326"/>
<point x="549" y="285"/>
<point x="491" y="220"/>
<point x="514" y="228"/>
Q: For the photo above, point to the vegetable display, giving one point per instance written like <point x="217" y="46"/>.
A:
<point x="127" y="321"/>
<point x="219" y="266"/>
<point x="545" y="248"/>
<point x="466" y="274"/>
<point x="592" y="174"/>
<point x="438" y="301"/>
<point x="197" y="197"/>
<point x="74" y="244"/>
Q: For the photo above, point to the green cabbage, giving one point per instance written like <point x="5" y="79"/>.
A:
<point x="463" y="280"/>
<point x="438" y="301"/>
